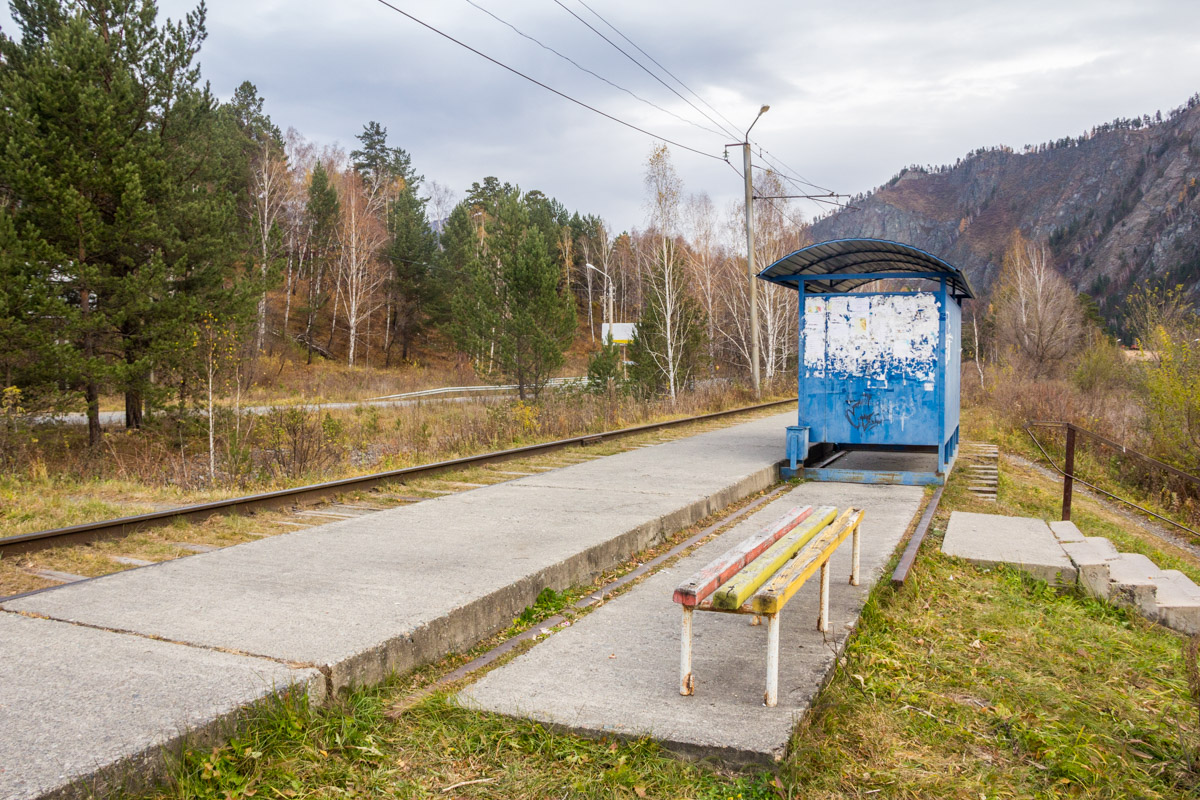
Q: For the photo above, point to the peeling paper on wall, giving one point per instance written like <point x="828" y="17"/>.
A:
<point x="872" y="336"/>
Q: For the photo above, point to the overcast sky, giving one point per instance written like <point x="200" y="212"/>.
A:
<point x="857" y="89"/>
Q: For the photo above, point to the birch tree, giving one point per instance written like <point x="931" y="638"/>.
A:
<point x="670" y="329"/>
<point x="361" y="237"/>
<point x="1037" y="316"/>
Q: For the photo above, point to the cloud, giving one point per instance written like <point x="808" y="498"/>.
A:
<point x="857" y="89"/>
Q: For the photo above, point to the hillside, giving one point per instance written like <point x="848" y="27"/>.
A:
<point x="1119" y="206"/>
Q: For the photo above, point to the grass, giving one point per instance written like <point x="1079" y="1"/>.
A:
<point x="966" y="683"/>
<point x="40" y="503"/>
<point x="60" y="482"/>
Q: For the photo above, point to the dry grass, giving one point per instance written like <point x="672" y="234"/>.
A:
<point x="44" y="503"/>
<point x="968" y="683"/>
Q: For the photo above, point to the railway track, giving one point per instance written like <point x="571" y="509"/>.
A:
<point x="288" y="498"/>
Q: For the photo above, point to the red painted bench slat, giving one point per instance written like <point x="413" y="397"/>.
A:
<point x="705" y="582"/>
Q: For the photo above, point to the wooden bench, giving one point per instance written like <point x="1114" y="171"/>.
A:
<point x="761" y="574"/>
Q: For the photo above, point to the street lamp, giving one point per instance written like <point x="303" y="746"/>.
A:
<point x="750" y="254"/>
<point x="608" y="293"/>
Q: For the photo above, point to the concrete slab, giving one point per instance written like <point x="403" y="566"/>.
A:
<point x="91" y="706"/>
<point x="616" y="671"/>
<point x="1132" y="581"/>
<point x="389" y="591"/>
<point x="1091" y="556"/>
<point x="1066" y="531"/>
<point x="993" y="539"/>
<point x="1178" y="602"/>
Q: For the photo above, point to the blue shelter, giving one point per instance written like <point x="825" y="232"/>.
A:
<point x="878" y="370"/>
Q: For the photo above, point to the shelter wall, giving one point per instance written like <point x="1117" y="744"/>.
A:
<point x="872" y="364"/>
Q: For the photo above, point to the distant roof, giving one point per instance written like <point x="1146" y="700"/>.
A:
<point x="845" y="264"/>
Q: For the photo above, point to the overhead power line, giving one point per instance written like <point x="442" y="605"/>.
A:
<point x="594" y="74"/>
<point x="548" y="88"/>
<point x="780" y="168"/>
<point x="642" y="66"/>
<point x="732" y="127"/>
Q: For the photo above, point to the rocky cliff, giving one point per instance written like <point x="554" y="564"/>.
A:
<point x="1119" y="206"/>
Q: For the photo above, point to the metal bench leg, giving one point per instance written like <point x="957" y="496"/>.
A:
<point x="772" y="694"/>
<point x="687" y="684"/>
<point x="823" y="620"/>
<point x="854" y="568"/>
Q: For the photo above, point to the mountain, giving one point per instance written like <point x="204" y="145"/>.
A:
<point x="1118" y="206"/>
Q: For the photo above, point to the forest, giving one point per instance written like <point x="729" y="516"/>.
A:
<point x="154" y="234"/>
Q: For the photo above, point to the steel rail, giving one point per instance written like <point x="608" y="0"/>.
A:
<point x="914" y="542"/>
<point x="1076" y="479"/>
<point x="123" y="526"/>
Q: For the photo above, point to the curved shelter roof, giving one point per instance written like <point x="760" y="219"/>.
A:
<point x="842" y="265"/>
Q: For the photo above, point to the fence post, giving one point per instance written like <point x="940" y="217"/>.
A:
<point x="1068" y="473"/>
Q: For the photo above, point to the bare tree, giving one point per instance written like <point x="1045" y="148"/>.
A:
<point x="776" y="235"/>
<point x="442" y="200"/>
<point x="668" y="330"/>
<point x="1037" y="315"/>
<point x="269" y="188"/>
<point x="362" y="234"/>
<point x="703" y="255"/>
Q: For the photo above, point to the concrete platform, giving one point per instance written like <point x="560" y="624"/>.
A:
<point x="992" y="539"/>
<point x="355" y="599"/>
<point x="616" y="671"/>
<point x="79" y="703"/>
<point x="388" y="591"/>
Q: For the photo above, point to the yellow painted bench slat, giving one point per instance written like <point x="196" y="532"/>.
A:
<point x="772" y="598"/>
<point x="740" y="587"/>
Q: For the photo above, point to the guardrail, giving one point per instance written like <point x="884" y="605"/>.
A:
<point x="1070" y="478"/>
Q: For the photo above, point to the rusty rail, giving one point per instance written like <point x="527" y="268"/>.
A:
<point x="123" y="526"/>
<point x="1070" y="478"/>
<point x="900" y="574"/>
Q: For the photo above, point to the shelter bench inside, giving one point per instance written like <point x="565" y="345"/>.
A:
<point x="762" y="573"/>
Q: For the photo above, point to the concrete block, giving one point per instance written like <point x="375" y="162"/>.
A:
<point x="1133" y="581"/>
<point x="1023" y="542"/>
<point x="616" y="671"/>
<point x="1091" y="556"/>
<point x="1066" y="531"/>
<point x="88" y="712"/>
<point x="1178" y="602"/>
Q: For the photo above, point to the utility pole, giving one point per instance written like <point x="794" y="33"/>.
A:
<point x="754" y="360"/>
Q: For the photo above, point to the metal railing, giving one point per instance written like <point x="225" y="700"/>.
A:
<point x="1070" y="478"/>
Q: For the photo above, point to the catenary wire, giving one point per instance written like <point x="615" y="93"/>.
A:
<point x="594" y="74"/>
<point x="547" y="87"/>
<point x="768" y="200"/>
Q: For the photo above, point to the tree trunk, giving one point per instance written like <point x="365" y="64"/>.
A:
<point x="92" y="393"/>
<point x="133" y="408"/>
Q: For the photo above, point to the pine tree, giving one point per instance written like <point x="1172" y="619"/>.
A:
<point x="323" y="210"/>
<point x="410" y="251"/>
<point x="116" y="167"/>
<point x="511" y="310"/>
